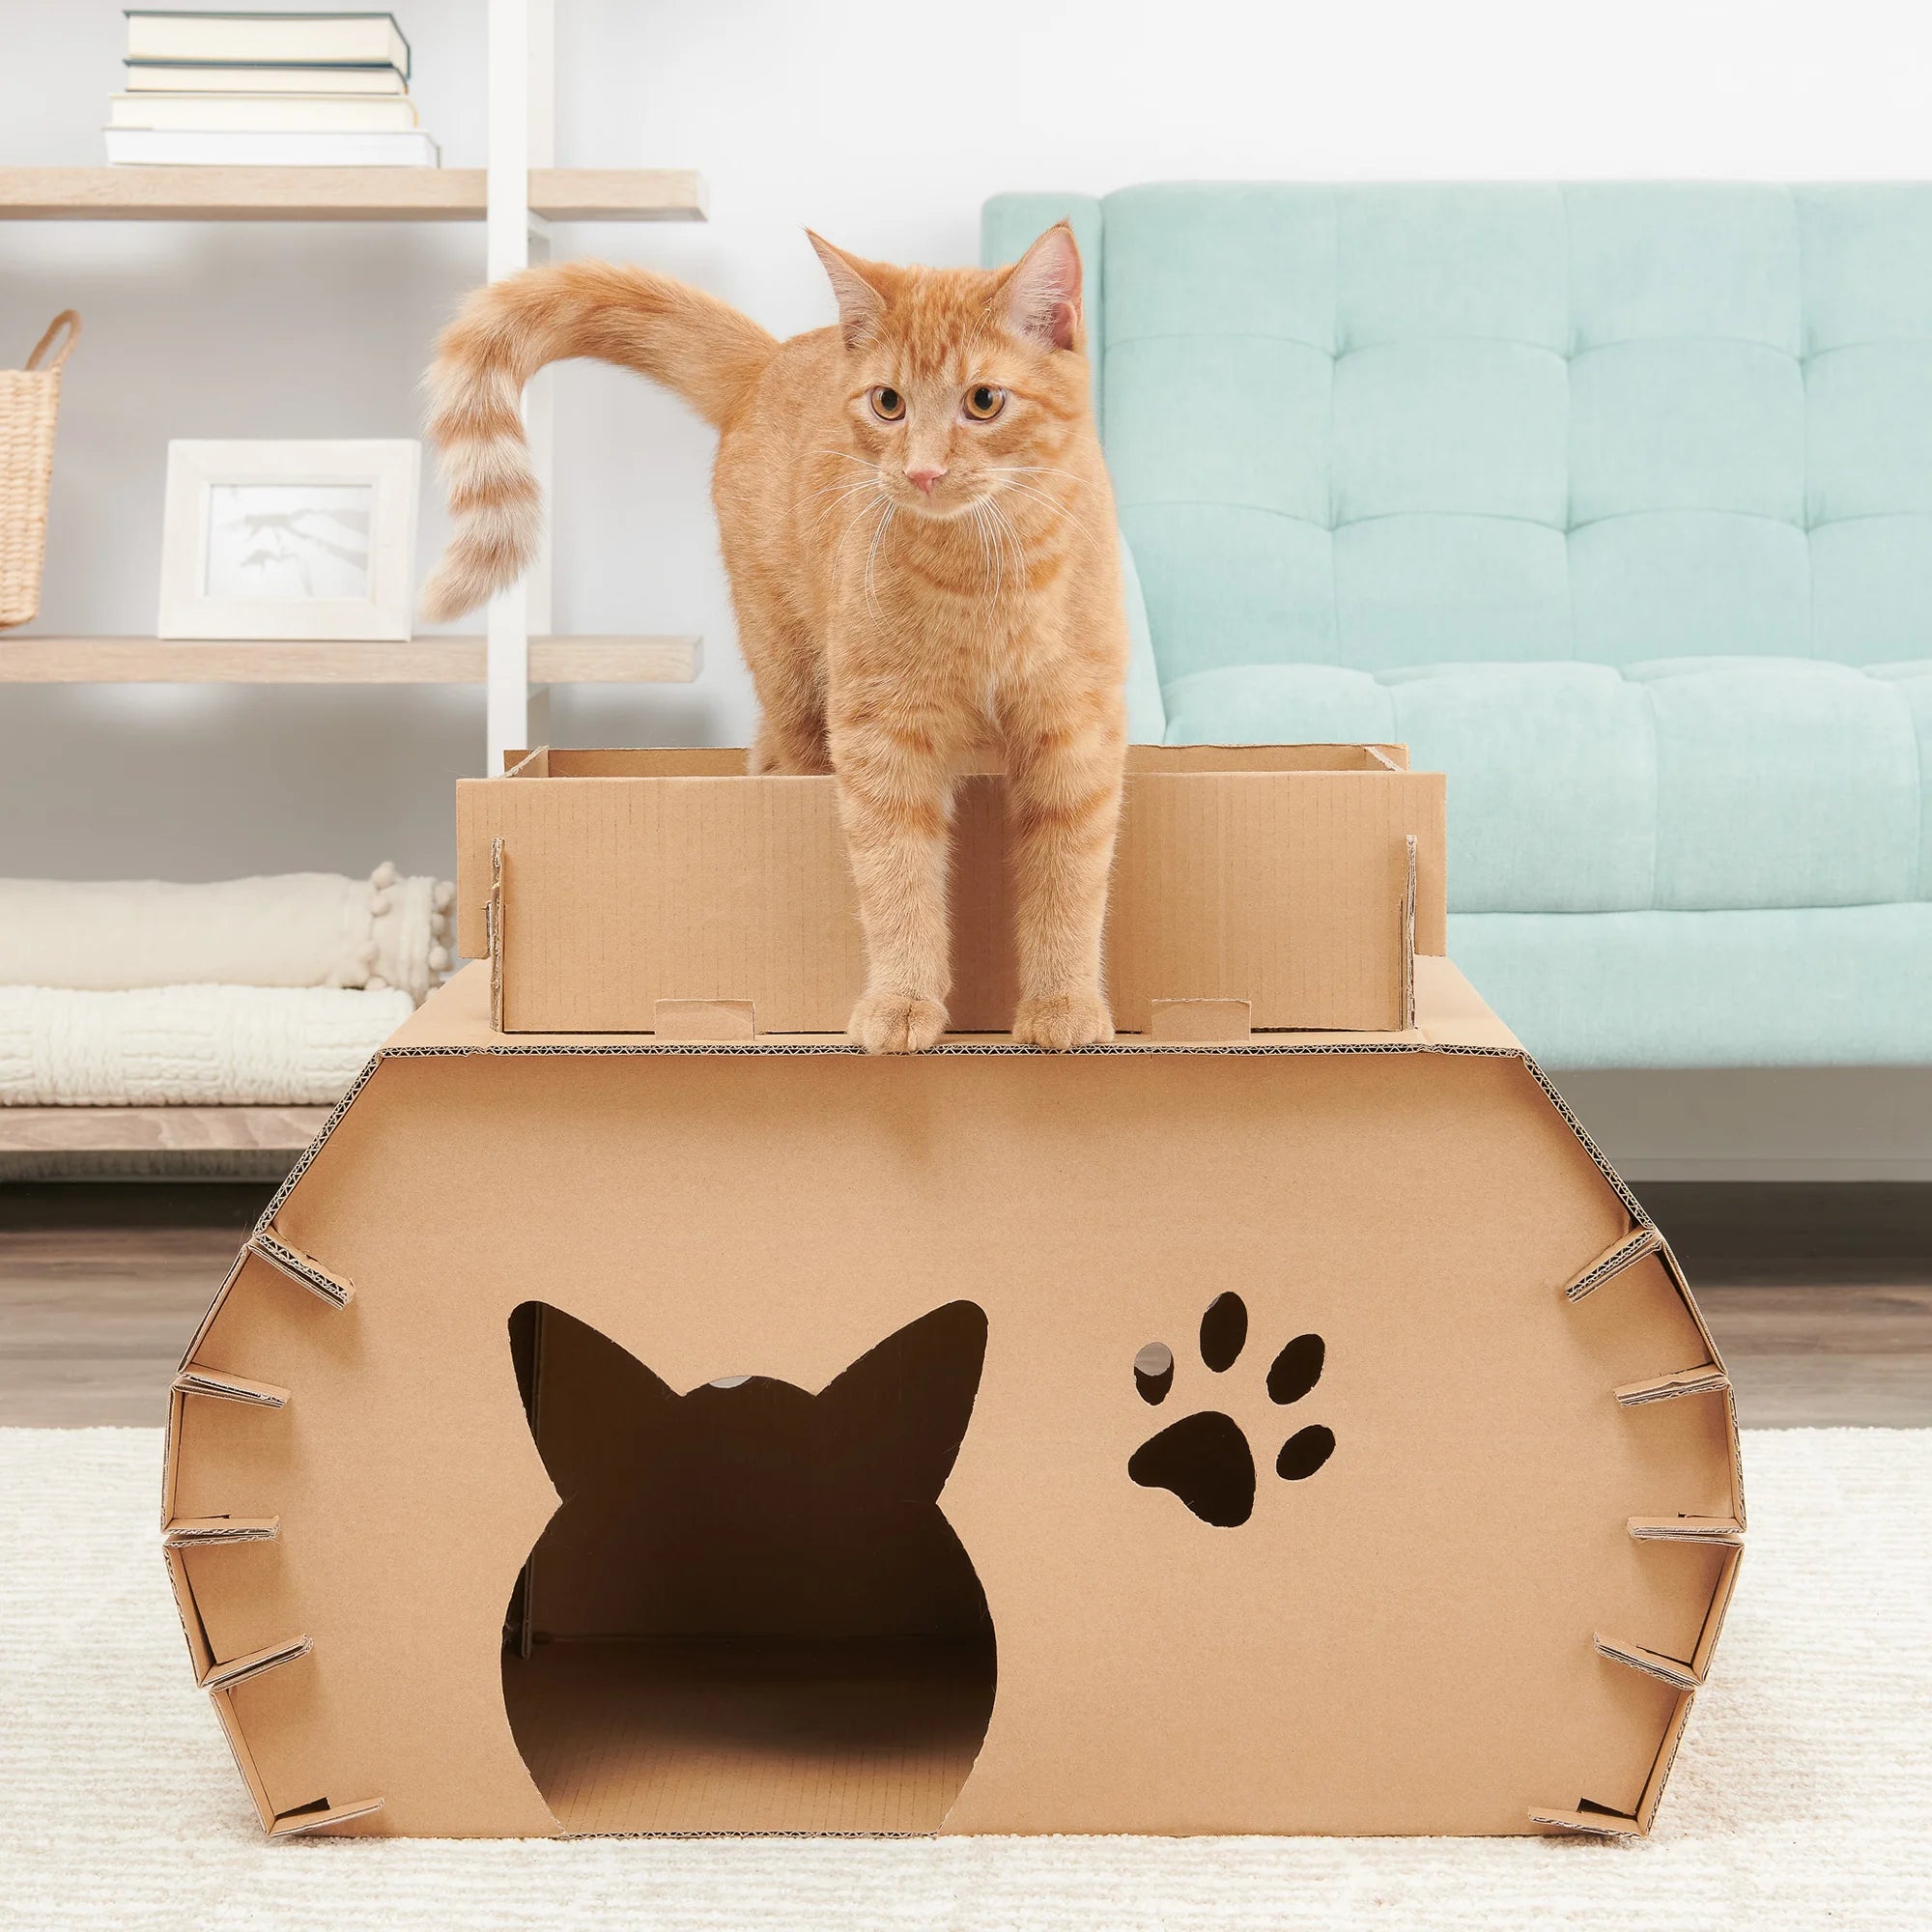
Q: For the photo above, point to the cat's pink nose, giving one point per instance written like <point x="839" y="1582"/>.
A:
<point x="924" y="480"/>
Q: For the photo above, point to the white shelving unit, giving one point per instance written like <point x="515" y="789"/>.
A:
<point x="516" y="196"/>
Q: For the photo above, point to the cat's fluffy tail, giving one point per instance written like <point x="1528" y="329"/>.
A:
<point x="691" y="342"/>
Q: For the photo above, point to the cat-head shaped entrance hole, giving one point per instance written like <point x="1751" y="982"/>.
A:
<point x="749" y="1612"/>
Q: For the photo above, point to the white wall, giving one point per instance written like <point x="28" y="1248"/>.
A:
<point x="885" y="124"/>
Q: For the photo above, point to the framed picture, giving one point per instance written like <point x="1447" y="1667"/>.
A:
<point x="290" y="540"/>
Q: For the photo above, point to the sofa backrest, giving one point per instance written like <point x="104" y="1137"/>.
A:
<point x="1383" y="426"/>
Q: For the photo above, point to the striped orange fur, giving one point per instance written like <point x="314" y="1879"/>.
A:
<point x="919" y="531"/>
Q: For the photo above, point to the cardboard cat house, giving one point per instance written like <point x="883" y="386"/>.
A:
<point x="1253" y="1426"/>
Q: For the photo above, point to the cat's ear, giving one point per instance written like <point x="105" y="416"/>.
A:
<point x="589" y="1399"/>
<point x="1041" y="292"/>
<point x="902" y="1410"/>
<point x="862" y="306"/>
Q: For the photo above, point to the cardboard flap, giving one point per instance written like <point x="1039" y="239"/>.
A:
<point x="195" y="1380"/>
<point x="1713" y="1618"/>
<point x="1601" y="1820"/>
<point x="302" y="1267"/>
<point x="704" y="1019"/>
<point x="1687" y="1529"/>
<point x="244" y="1758"/>
<point x="1671" y="1669"/>
<point x="313" y="1817"/>
<point x="1709" y="1380"/>
<point x="1618" y="1256"/>
<point x="198" y="1531"/>
<point x="1667" y="1756"/>
<point x="1200" y="1019"/>
<point x="239" y="1669"/>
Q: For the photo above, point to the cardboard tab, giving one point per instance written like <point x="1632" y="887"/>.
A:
<point x="1207" y="1020"/>
<point x="1709" y="1380"/>
<point x="1687" y="1529"/>
<point x="302" y="1267"/>
<point x="314" y="1817"/>
<point x="197" y="1381"/>
<point x="1672" y="1670"/>
<point x="1603" y="1822"/>
<point x="196" y="1532"/>
<point x="239" y="1669"/>
<point x="1618" y="1256"/>
<point x="704" y="1019"/>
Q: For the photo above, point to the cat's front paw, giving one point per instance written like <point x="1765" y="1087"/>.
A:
<point x="893" y="1023"/>
<point x="1064" y="1019"/>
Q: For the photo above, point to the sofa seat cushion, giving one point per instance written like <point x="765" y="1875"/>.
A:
<point x="1686" y="784"/>
<point x="1829" y="986"/>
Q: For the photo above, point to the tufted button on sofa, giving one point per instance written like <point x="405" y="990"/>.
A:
<point x="1615" y="503"/>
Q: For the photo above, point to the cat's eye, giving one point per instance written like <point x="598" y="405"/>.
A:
<point x="984" y="402"/>
<point x="888" y="405"/>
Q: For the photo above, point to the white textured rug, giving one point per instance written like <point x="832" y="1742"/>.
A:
<point x="1802" y="1795"/>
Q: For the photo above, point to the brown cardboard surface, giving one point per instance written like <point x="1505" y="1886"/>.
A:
<point x="1405" y="1640"/>
<point x="1276" y="875"/>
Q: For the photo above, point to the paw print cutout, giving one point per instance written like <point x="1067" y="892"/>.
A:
<point x="1203" y="1459"/>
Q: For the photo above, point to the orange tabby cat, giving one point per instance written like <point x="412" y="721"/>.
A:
<point x="919" y="536"/>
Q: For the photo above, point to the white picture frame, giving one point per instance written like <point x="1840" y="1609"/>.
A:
<point x="285" y="541"/>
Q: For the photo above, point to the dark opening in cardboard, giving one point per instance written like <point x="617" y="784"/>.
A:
<point x="749" y="1612"/>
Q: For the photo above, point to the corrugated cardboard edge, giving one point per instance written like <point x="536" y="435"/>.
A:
<point x="492" y="926"/>
<point x="198" y="1380"/>
<point x="197" y="1532"/>
<point x="301" y="1268"/>
<point x="225" y="1674"/>
<point x="1407" y="994"/>
<point x="1589" y="1817"/>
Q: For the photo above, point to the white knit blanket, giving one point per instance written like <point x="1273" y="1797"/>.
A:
<point x="189" y="1045"/>
<point x="292" y="929"/>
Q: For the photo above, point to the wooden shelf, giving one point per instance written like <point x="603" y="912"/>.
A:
<point x="424" y="661"/>
<point x="339" y="194"/>
<point x="158" y="1129"/>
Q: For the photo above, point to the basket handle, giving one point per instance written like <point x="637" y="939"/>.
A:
<point x="66" y="319"/>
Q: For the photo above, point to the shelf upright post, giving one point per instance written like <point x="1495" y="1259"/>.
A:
<point x="522" y="123"/>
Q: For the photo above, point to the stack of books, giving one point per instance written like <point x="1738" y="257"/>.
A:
<point x="265" y="90"/>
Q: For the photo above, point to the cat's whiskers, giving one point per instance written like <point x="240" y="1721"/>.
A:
<point x="866" y="510"/>
<point x="845" y="495"/>
<point x="1008" y="537"/>
<point x="872" y="558"/>
<point x="1052" y="502"/>
<point x="989" y="562"/>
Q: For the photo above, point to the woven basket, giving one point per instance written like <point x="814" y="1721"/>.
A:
<point x="29" y="402"/>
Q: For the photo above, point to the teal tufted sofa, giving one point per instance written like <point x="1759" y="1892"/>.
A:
<point x="1614" y="503"/>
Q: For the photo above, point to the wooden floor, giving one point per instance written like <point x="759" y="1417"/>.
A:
<point x="1820" y="1296"/>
